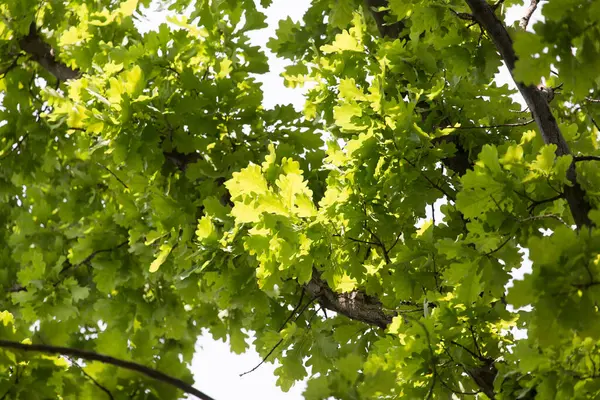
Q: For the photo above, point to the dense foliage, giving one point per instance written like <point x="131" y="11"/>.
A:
<point x="367" y="242"/>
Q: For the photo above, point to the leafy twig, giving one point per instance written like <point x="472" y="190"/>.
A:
<point x="265" y="358"/>
<point x="434" y="185"/>
<point x="293" y="311"/>
<point x="11" y="66"/>
<point x="91" y="378"/>
<point x="113" y="174"/>
<point x="14" y="147"/>
<point x="471" y="352"/>
<point x="458" y="391"/>
<point x="380" y="244"/>
<point x="91" y="257"/>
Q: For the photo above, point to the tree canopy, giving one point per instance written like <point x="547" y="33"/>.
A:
<point x="366" y="242"/>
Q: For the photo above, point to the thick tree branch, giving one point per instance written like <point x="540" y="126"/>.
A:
<point x="381" y="15"/>
<point x="355" y="305"/>
<point x="42" y="52"/>
<point x="90" y="355"/>
<point x="538" y="105"/>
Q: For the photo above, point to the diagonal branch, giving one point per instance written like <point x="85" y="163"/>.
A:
<point x="42" y="52"/>
<point x="91" y="378"/>
<point x="528" y="13"/>
<point x="90" y="355"/>
<point x="538" y="105"/>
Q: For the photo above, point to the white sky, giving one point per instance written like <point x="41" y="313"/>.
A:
<point x="216" y="370"/>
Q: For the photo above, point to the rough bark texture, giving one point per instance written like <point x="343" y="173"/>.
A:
<point x="355" y="305"/>
<point x="43" y="53"/>
<point x="538" y="105"/>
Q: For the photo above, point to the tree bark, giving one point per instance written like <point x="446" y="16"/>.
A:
<point x="44" y="54"/>
<point x="538" y="105"/>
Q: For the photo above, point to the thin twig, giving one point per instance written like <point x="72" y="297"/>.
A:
<point x="386" y="256"/>
<point x="435" y="186"/>
<point x="90" y="355"/>
<point x="433" y="359"/>
<point x="91" y="378"/>
<point x="586" y="158"/>
<point x="12" y="65"/>
<point x="435" y="273"/>
<point x="91" y="256"/>
<point x="592" y="100"/>
<point x="468" y="350"/>
<point x="13" y="147"/>
<point x="475" y="341"/>
<point x="511" y="125"/>
<point x="362" y="241"/>
<point x="293" y="311"/>
<point x="536" y="203"/>
<point x="113" y="174"/>
<point x="279" y="342"/>
<point x="458" y="391"/>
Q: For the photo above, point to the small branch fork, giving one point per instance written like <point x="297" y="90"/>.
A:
<point x="90" y="355"/>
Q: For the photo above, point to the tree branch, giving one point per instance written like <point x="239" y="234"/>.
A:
<point x="113" y="174"/>
<point x="355" y="305"/>
<point x="586" y="158"/>
<point x="92" y="255"/>
<point x="380" y="12"/>
<point x="528" y="13"/>
<point x="524" y="123"/>
<point x="91" y="378"/>
<point x="449" y="195"/>
<point x="265" y="358"/>
<point x="90" y="355"/>
<point x="40" y="51"/>
<point x="538" y="105"/>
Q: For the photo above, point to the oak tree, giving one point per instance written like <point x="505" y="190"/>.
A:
<point x="366" y="242"/>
